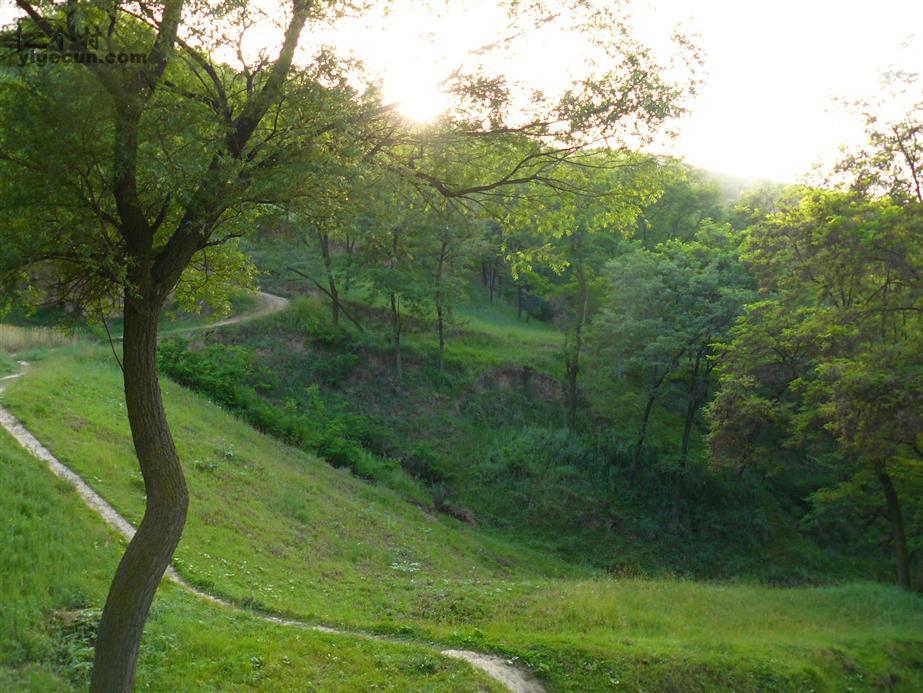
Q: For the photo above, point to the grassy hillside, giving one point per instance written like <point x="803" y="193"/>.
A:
<point x="273" y="528"/>
<point x="486" y="439"/>
<point x="58" y="559"/>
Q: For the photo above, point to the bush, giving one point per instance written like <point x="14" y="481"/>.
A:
<point x="233" y="378"/>
<point x="542" y="478"/>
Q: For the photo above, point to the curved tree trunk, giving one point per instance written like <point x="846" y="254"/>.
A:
<point x="898" y="535"/>
<point x="149" y="552"/>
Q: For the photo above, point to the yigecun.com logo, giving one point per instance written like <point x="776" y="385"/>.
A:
<point x="33" y="46"/>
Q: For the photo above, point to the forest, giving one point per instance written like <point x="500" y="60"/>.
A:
<point x="300" y="392"/>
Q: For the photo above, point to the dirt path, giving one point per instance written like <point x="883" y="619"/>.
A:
<point x="502" y="670"/>
<point x="266" y="304"/>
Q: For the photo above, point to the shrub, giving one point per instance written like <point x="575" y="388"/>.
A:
<point x="227" y="374"/>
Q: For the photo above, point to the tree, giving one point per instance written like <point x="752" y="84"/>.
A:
<point x="446" y="253"/>
<point x="578" y="230"/>
<point x="891" y="162"/>
<point x="689" y="197"/>
<point x="826" y="364"/>
<point x="662" y="314"/>
<point x="873" y="406"/>
<point x="140" y="209"/>
<point x="118" y="174"/>
<point x="389" y="261"/>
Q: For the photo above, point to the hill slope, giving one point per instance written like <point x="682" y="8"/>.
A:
<point x="58" y="560"/>
<point x="273" y="528"/>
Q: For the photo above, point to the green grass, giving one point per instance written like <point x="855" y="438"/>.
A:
<point x="499" y="320"/>
<point x="479" y="331"/>
<point x="7" y="364"/>
<point x="488" y="435"/>
<point x="58" y="558"/>
<point x="276" y="529"/>
<point x="175" y="321"/>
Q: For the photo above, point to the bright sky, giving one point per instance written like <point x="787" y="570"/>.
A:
<point x="767" y="107"/>
<point x="773" y="67"/>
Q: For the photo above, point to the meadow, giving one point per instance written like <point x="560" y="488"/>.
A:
<point x="275" y="529"/>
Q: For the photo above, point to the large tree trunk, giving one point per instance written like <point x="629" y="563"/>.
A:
<point x="919" y="587"/>
<point x="150" y="551"/>
<point x="901" y="556"/>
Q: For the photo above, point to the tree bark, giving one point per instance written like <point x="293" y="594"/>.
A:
<point x="350" y="246"/>
<point x="573" y="363"/>
<point x="150" y="551"/>
<point x="898" y="536"/>
<point x="679" y="475"/>
<point x="440" y="326"/>
<point x="692" y="405"/>
<point x="324" y="240"/>
<point x="440" y="307"/>
<point x="639" y="445"/>
<point x="396" y="331"/>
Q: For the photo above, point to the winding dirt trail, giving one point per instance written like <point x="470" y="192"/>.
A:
<point x="502" y="670"/>
<point x="266" y="304"/>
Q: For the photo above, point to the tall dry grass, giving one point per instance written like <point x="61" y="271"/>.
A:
<point x="14" y="339"/>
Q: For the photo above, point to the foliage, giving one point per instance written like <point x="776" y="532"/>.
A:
<point x="232" y="377"/>
<point x="823" y="371"/>
<point x="316" y="538"/>
<point x="458" y="429"/>
<point x="891" y="161"/>
<point x="662" y="314"/>
<point x="689" y="197"/>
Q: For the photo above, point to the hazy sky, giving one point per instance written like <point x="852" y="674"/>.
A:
<point x="772" y="67"/>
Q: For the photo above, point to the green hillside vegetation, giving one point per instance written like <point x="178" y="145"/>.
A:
<point x="485" y="439"/>
<point x="275" y="529"/>
<point x="58" y="559"/>
<point x="7" y="365"/>
<point x="514" y="382"/>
